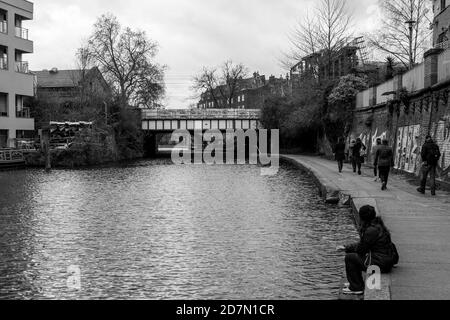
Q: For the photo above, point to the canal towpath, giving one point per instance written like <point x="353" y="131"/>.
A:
<point x="420" y="226"/>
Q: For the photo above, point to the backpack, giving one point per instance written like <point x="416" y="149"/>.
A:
<point x="433" y="154"/>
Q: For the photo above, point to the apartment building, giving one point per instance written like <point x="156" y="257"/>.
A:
<point x="251" y="93"/>
<point x="441" y="23"/>
<point x="16" y="81"/>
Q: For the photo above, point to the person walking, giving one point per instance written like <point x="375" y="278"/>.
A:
<point x="357" y="158"/>
<point x="339" y="153"/>
<point x="384" y="160"/>
<point x="374" y="154"/>
<point x="375" y="248"/>
<point x="430" y="159"/>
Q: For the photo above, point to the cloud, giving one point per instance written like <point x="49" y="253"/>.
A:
<point x="191" y="33"/>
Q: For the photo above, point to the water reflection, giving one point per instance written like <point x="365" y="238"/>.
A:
<point x="151" y="230"/>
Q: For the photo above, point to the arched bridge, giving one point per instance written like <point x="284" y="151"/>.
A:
<point x="200" y="119"/>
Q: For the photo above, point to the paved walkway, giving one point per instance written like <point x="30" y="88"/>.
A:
<point x="420" y="226"/>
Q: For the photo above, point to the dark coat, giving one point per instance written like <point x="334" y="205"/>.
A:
<point x="356" y="152"/>
<point x="430" y="149"/>
<point x="339" y="151"/>
<point x="384" y="157"/>
<point x="376" y="241"/>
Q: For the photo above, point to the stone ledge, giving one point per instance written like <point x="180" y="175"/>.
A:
<point x="330" y="192"/>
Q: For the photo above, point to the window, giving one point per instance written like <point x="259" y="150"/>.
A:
<point x="243" y="98"/>
<point x="3" y="139"/>
<point x="443" y="5"/>
<point x="21" y="112"/>
<point x="3" y="58"/>
<point x="3" y="105"/>
<point x="3" y="21"/>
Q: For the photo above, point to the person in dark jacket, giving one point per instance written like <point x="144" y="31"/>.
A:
<point x="374" y="154"/>
<point x="374" y="249"/>
<point x="357" y="159"/>
<point x="384" y="160"/>
<point x="430" y="158"/>
<point x="339" y="153"/>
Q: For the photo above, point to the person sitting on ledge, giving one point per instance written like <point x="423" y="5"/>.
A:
<point x="374" y="248"/>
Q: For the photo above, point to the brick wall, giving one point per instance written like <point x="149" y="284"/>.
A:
<point x="406" y="128"/>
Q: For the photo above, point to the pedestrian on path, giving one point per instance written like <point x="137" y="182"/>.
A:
<point x="374" y="249"/>
<point x="384" y="160"/>
<point x="374" y="153"/>
<point x="358" y="156"/>
<point x="430" y="157"/>
<point x="339" y="153"/>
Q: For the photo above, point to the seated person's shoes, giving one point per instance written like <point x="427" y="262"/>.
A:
<point x="350" y="292"/>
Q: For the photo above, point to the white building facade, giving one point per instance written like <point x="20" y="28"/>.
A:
<point x="16" y="81"/>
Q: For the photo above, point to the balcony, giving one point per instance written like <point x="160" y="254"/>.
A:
<point x="22" y="67"/>
<point x="24" y="113"/>
<point x="4" y="26"/>
<point x="3" y="64"/>
<point x="443" y="45"/>
<point x="22" y="33"/>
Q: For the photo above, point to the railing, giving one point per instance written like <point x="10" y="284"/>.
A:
<point x="22" y="67"/>
<point x="4" y="26"/>
<point x="24" y="113"/>
<point x="22" y="33"/>
<point x="3" y="64"/>
<point x="201" y="114"/>
<point x="10" y="156"/>
<point x="443" y="45"/>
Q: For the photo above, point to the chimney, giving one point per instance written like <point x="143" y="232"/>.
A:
<point x="431" y="66"/>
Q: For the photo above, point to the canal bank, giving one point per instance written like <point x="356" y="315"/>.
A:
<point x="419" y="224"/>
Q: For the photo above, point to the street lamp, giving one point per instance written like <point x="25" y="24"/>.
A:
<point x="411" y="24"/>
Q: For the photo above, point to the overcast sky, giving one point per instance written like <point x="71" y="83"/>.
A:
<point x="191" y="33"/>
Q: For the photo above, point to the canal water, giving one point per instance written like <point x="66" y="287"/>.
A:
<point x="153" y="230"/>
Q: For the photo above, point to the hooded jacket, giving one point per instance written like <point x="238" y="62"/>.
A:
<point x="375" y="245"/>
<point x="384" y="157"/>
<point x="429" y="152"/>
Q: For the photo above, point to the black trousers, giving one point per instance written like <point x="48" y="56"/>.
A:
<point x="384" y="173"/>
<point x="340" y="165"/>
<point x="354" y="267"/>
<point x="356" y="163"/>
<point x="429" y="170"/>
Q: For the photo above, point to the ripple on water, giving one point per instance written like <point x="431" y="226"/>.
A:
<point x="151" y="230"/>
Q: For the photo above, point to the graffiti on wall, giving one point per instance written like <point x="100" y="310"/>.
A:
<point x="407" y="153"/>
<point x="442" y="138"/>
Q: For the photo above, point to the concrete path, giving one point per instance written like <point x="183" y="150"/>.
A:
<point x="420" y="226"/>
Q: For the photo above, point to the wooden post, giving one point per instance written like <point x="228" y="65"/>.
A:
<point x="45" y="144"/>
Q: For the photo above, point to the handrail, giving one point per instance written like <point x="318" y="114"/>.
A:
<point x="4" y="26"/>
<point x="24" y="113"/>
<point x="3" y="64"/>
<point x="9" y="155"/>
<point x="22" y="33"/>
<point x="22" y="67"/>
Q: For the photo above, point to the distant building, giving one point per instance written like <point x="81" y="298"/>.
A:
<point x="251" y="93"/>
<point x="351" y="59"/>
<point x="441" y="23"/>
<point x="67" y="86"/>
<point x="16" y="82"/>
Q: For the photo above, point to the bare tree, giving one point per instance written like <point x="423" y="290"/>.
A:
<point x="404" y="31"/>
<point x="221" y="85"/>
<point x="327" y="30"/>
<point x="125" y="58"/>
